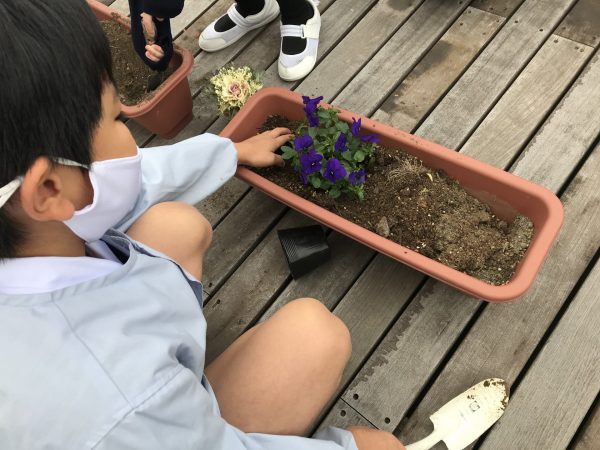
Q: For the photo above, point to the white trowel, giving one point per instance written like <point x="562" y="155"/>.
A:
<point x="463" y="419"/>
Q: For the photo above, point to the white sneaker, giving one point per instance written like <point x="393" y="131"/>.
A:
<point x="212" y="40"/>
<point x="295" y="67"/>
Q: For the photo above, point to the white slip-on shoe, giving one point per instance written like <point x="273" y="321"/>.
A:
<point x="212" y="40"/>
<point x="463" y="419"/>
<point x="295" y="67"/>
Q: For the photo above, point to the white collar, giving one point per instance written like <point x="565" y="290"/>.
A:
<point x="41" y="274"/>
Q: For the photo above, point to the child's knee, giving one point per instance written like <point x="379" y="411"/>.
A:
<point x="327" y="331"/>
<point x="176" y="229"/>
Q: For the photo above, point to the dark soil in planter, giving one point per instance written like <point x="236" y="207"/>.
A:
<point x="130" y="72"/>
<point x="425" y="210"/>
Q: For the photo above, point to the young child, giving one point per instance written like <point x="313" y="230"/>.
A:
<point x="102" y="336"/>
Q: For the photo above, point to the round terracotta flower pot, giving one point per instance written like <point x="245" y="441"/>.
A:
<point x="170" y="108"/>
<point x="506" y="194"/>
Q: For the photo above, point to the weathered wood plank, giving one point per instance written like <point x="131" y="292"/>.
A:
<point x="121" y="6"/>
<point x="569" y="128"/>
<point x="438" y="69"/>
<point x="539" y="415"/>
<point x="345" y="416"/>
<point x="372" y="303"/>
<point x="383" y="397"/>
<point x="240" y="301"/>
<point x="508" y="126"/>
<point x="390" y="380"/>
<point x="590" y="434"/>
<point x="504" y="336"/>
<point x="234" y="238"/>
<point x="503" y="8"/>
<point x="494" y="70"/>
<point x="191" y="11"/>
<point x="583" y="23"/>
<point x="364" y="39"/>
<point x="217" y="205"/>
<point x="330" y="281"/>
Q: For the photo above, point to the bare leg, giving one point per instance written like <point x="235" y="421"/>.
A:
<point x="177" y="230"/>
<point x="371" y="439"/>
<point x="278" y="376"/>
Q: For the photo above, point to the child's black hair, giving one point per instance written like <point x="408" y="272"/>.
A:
<point x="54" y="64"/>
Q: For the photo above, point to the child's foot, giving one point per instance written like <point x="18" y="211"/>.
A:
<point x="299" y="42"/>
<point x="236" y="23"/>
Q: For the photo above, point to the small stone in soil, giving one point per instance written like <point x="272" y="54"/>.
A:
<point x="382" y="227"/>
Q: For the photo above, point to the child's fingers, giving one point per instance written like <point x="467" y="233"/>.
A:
<point x="278" y="160"/>
<point x="151" y="57"/>
<point x="154" y="52"/>
<point x="279" y="131"/>
<point x="281" y="140"/>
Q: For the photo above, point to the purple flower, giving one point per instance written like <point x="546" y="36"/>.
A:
<point x="358" y="177"/>
<point x="355" y="126"/>
<point x="340" y="144"/>
<point x="313" y="120"/>
<point x="334" y="170"/>
<point x="303" y="142"/>
<point x="310" y="108"/>
<point x="370" y="138"/>
<point x="310" y="162"/>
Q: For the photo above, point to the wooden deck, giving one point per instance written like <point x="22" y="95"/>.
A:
<point x="514" y="83"/>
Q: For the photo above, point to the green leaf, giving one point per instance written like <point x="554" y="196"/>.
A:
<point x="323" y="114"/>
<point x="312" y="132"/>
<point x="334" y="192"/>
<point x="287" y="148"/>
<point x="359" y="156"/>
<point x="347" y="155"/>
<point x="288" y="155"/>
<point x="342" y="126"/>
<point x="315" y="181"/>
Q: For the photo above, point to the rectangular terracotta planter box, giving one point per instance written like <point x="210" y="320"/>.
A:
<point x="170" y="108"/>
<point x="505" y="193"/>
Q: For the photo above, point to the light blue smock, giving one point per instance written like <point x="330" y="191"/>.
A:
<point x="117" y="362"/>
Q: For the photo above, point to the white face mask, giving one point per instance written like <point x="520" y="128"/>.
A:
<point x="117" y="184"/>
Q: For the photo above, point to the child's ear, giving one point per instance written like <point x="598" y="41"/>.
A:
<point x="43" y="193"/>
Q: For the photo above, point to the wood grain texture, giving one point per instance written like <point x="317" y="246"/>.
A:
<point x="329" y="282"/>
<point x="503" y="8"/>
<point x="438" y="69"/>
<point x="390" y="380"/>
<point x="399" y="55"/>
<point x="435" y="323"/>
<point x="589" y="435"/>
<point x="583" y="23"/>
<point x="560" y="386"/>
<point x="249" y="290"/>
<point x="502" y="339"/>
<point x="237" y="234"/>
<point x="364" y="39"/>
<point x="491" y="74"/>
<point x="216" y="206"/>
<point x="570" y="129"/>
<point x="343" y="415"/>
<point x="508" y="126"/>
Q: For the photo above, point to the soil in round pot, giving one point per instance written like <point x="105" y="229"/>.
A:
<point x="131" y="74"/>
<point x="422" y="209"/>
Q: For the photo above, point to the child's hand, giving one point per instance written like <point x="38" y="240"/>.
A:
<point x="154" y="52"/>
<point x="259" y="150"/>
